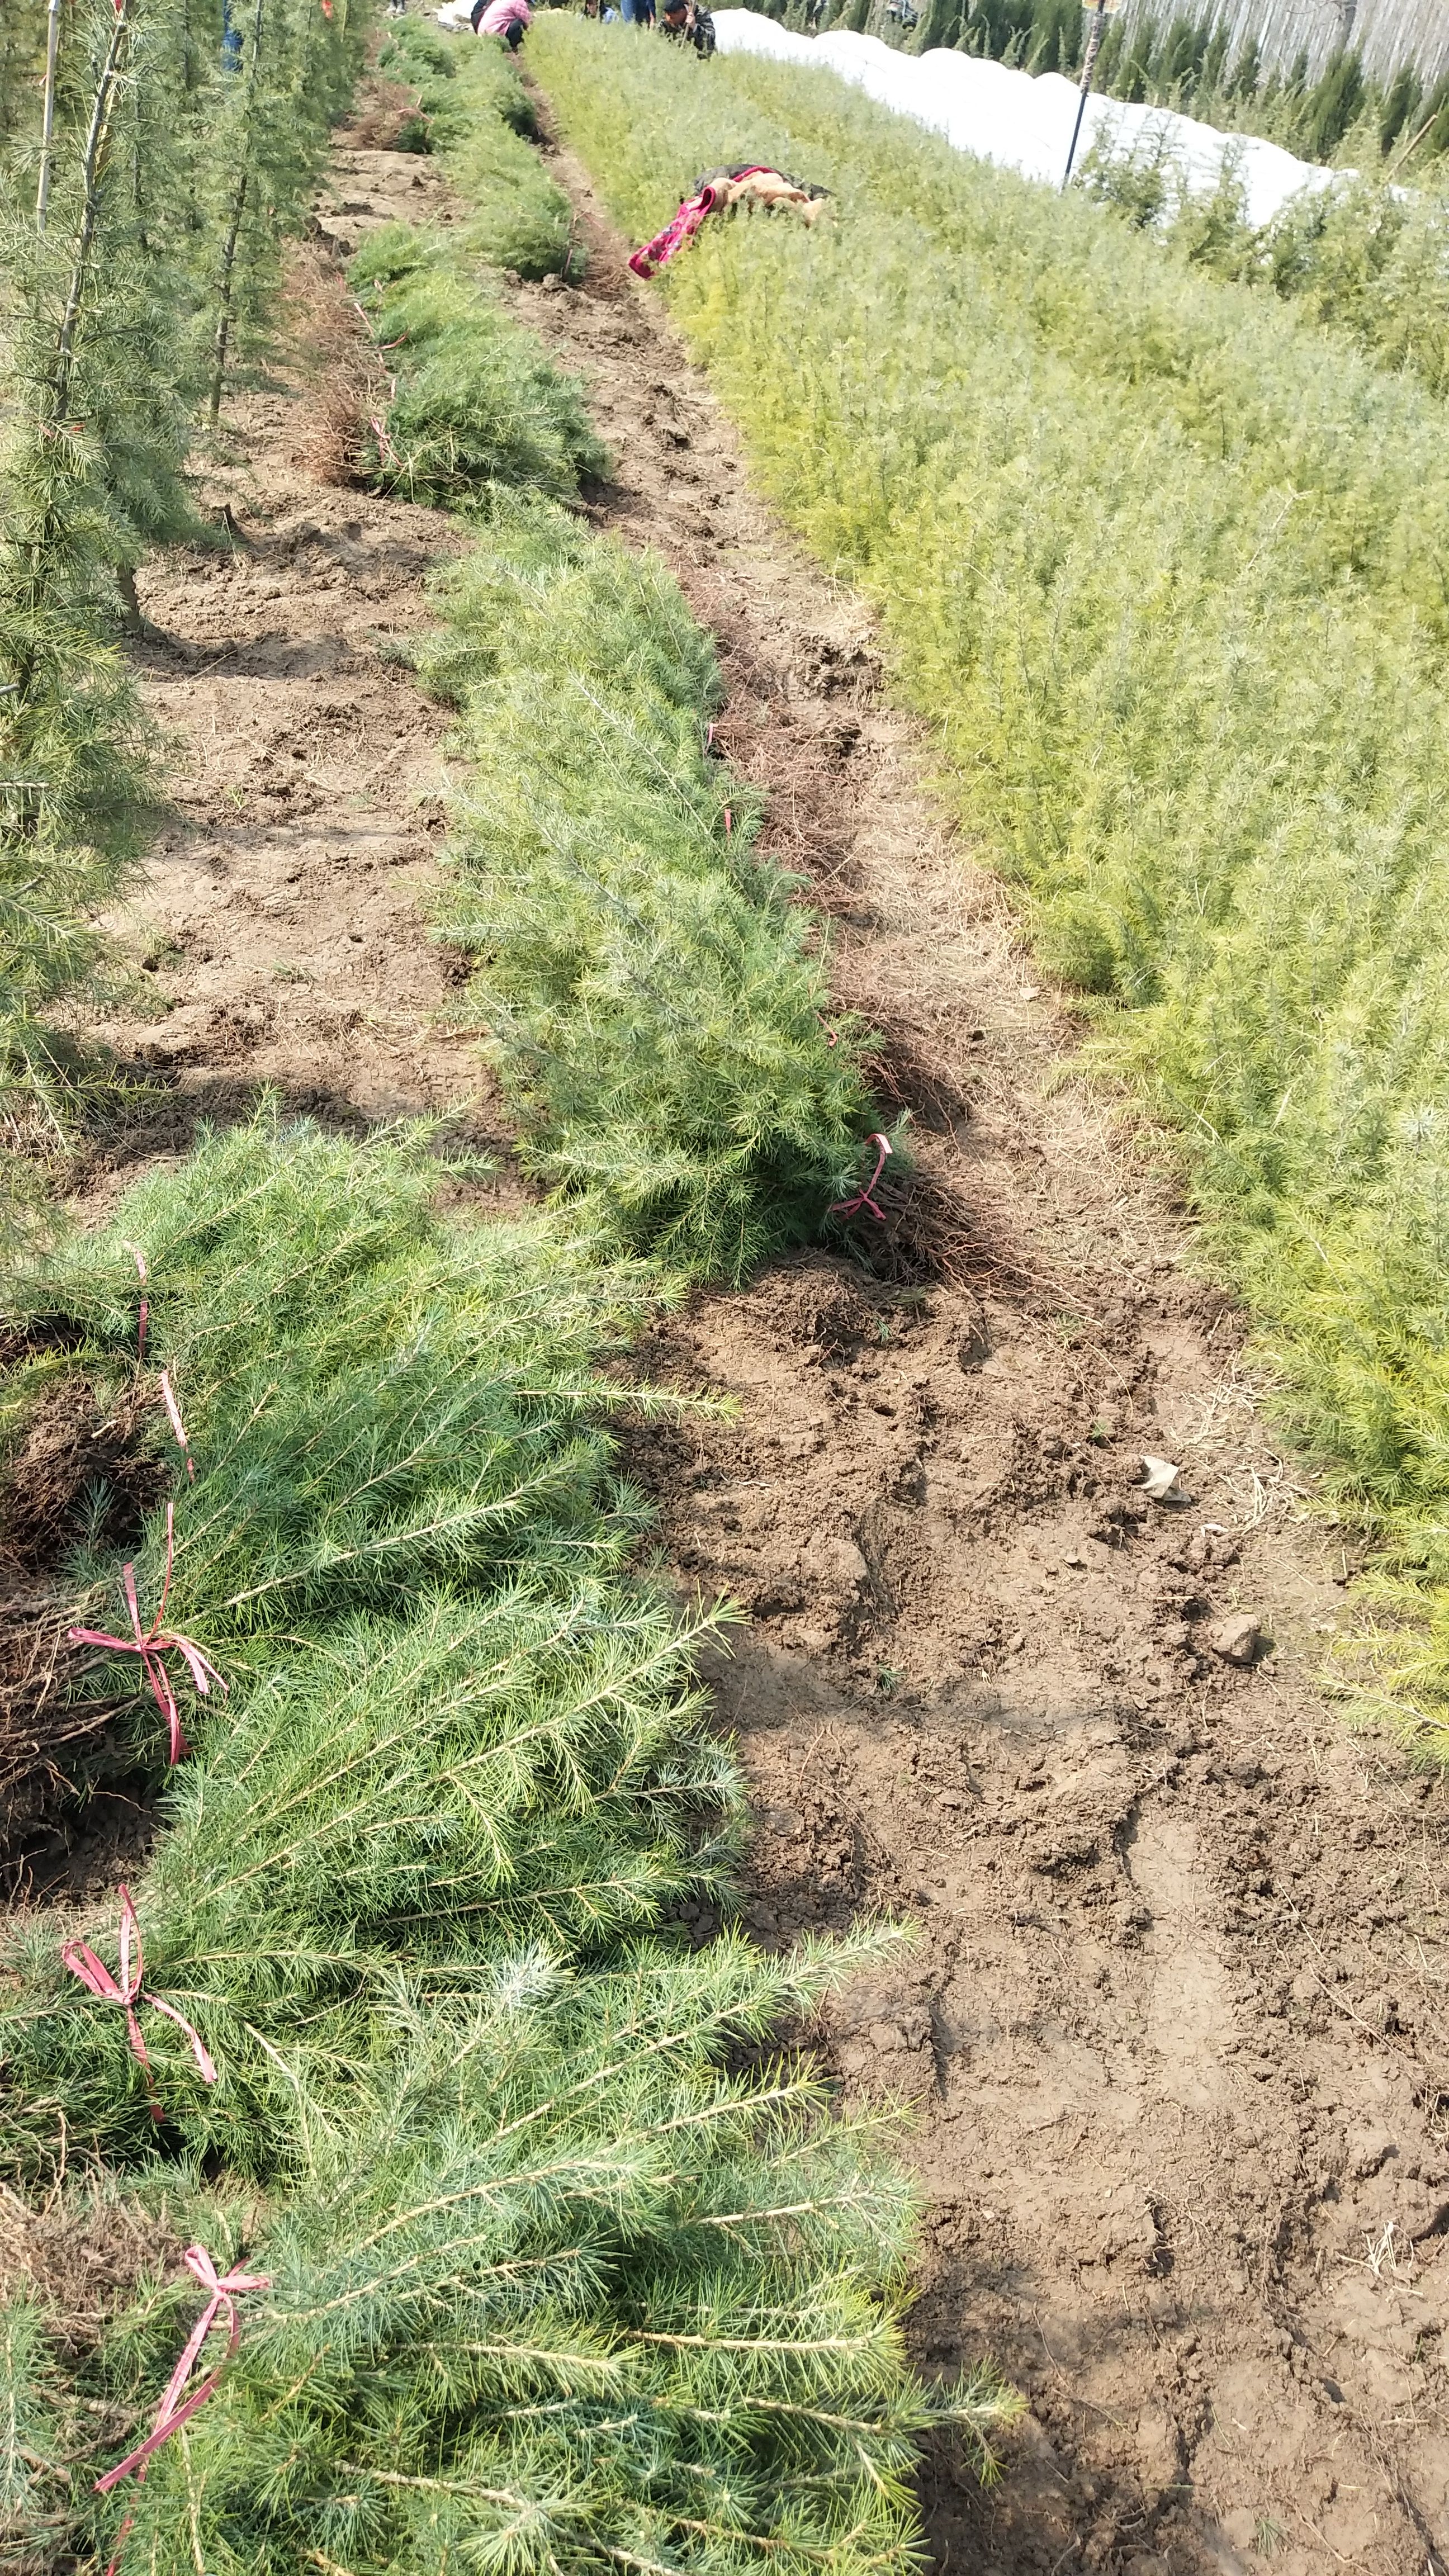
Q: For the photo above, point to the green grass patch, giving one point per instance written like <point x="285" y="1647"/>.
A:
<point x="1166" y="568"/>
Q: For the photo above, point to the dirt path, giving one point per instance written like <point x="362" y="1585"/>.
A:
<point x="1170" y="2024"/>
<point x="281" y="924"/>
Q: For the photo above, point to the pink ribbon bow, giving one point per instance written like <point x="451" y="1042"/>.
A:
<point x="862" y="1198"/>
<point x="154" y="1644"/>
<point x="172" y="2412"/>
<point x="96" y="1977"/>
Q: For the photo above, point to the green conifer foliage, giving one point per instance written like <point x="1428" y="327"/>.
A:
<point x="1155" y="561"/>
<point x="89" y="473"/>
<point x="559" y="2290"/>
<point x="563" y="2260"/>
<point x="111" y="314"/>
<point x="657" y="1002"/>
<point x="475" y="402"/>
<point x="559" y="2258"/>
<point x="375" y="1817"/>
<point x="476" y="113"/>
<point x="374" y="1400"/>
<point x="267" y="137"/>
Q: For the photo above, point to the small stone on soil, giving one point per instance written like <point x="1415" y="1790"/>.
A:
<point x="1238" y="1640"/>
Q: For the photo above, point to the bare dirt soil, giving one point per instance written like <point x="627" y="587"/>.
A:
<point x="1172" y="2027"/>
<point x="281" y="933"/>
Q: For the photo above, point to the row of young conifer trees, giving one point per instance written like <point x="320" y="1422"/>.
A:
<point x="1152" y="558"/>
<point x="537" y="2241"/>
<point x="156" y="155"/>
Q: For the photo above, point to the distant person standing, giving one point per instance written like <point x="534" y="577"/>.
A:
<point x="638" y="13"/>
<point x="507" y="19"/>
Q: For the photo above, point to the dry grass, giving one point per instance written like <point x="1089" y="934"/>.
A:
<point x="342" y="383"/>
<point x="384" y="109"/>
<point x="82" y="2254"/>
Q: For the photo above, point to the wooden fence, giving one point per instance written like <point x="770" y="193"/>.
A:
<point x="1386" y="33"/>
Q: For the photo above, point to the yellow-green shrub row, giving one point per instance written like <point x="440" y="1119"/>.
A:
<point x="1169" y="571"/>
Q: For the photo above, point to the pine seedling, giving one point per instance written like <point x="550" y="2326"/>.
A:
<point x="382" y="1813"/>
<point x="266" y="146"/>
<point x="565" y="2288"/>
<point x="376" y="1403"/>
<point x="477" y="116"/>
<point x="89" y="474"/>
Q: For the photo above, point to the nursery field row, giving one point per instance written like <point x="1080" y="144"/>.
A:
<point x="1160" y="562"/>
<point x="533" y="2238"/>
<point x="1364" y="256"/>
<point x="524" y="2265"/>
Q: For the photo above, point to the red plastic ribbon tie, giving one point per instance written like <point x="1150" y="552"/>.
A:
<point x="863" y="1198"/>
<point x="729" y="821"/>
<point x="154" y="1644"/>
<point x="139" y="1258"/>
<point x="223" y="2288"/>
<point x="97" y="1979"/>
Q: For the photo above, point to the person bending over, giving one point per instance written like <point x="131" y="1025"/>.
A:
<point x="688" y="23"/>
<point x="507" y="19"/>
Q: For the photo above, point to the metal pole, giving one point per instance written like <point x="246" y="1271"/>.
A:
<point x="47" y="130"/>
<point x="1089" y="65"/>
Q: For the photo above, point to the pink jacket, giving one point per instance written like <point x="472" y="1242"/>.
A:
<point x="500" y="15"/>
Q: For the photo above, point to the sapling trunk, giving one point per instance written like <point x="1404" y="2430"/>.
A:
<point x="47" y="123"/>
<point x="223" y="320"/>
<point x="91" y="167"/>
<point x="222" y="340"/>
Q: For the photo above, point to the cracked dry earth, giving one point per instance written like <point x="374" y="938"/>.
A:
<point x="1171" y="2029"/>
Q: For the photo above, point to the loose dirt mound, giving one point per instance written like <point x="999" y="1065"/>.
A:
<point x="1173" y="2029"/>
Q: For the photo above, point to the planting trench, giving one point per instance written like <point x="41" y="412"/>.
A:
<point x="1172" y="2030"/>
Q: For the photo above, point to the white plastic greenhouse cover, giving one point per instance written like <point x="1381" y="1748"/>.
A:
<point x="1021" y="122"/>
